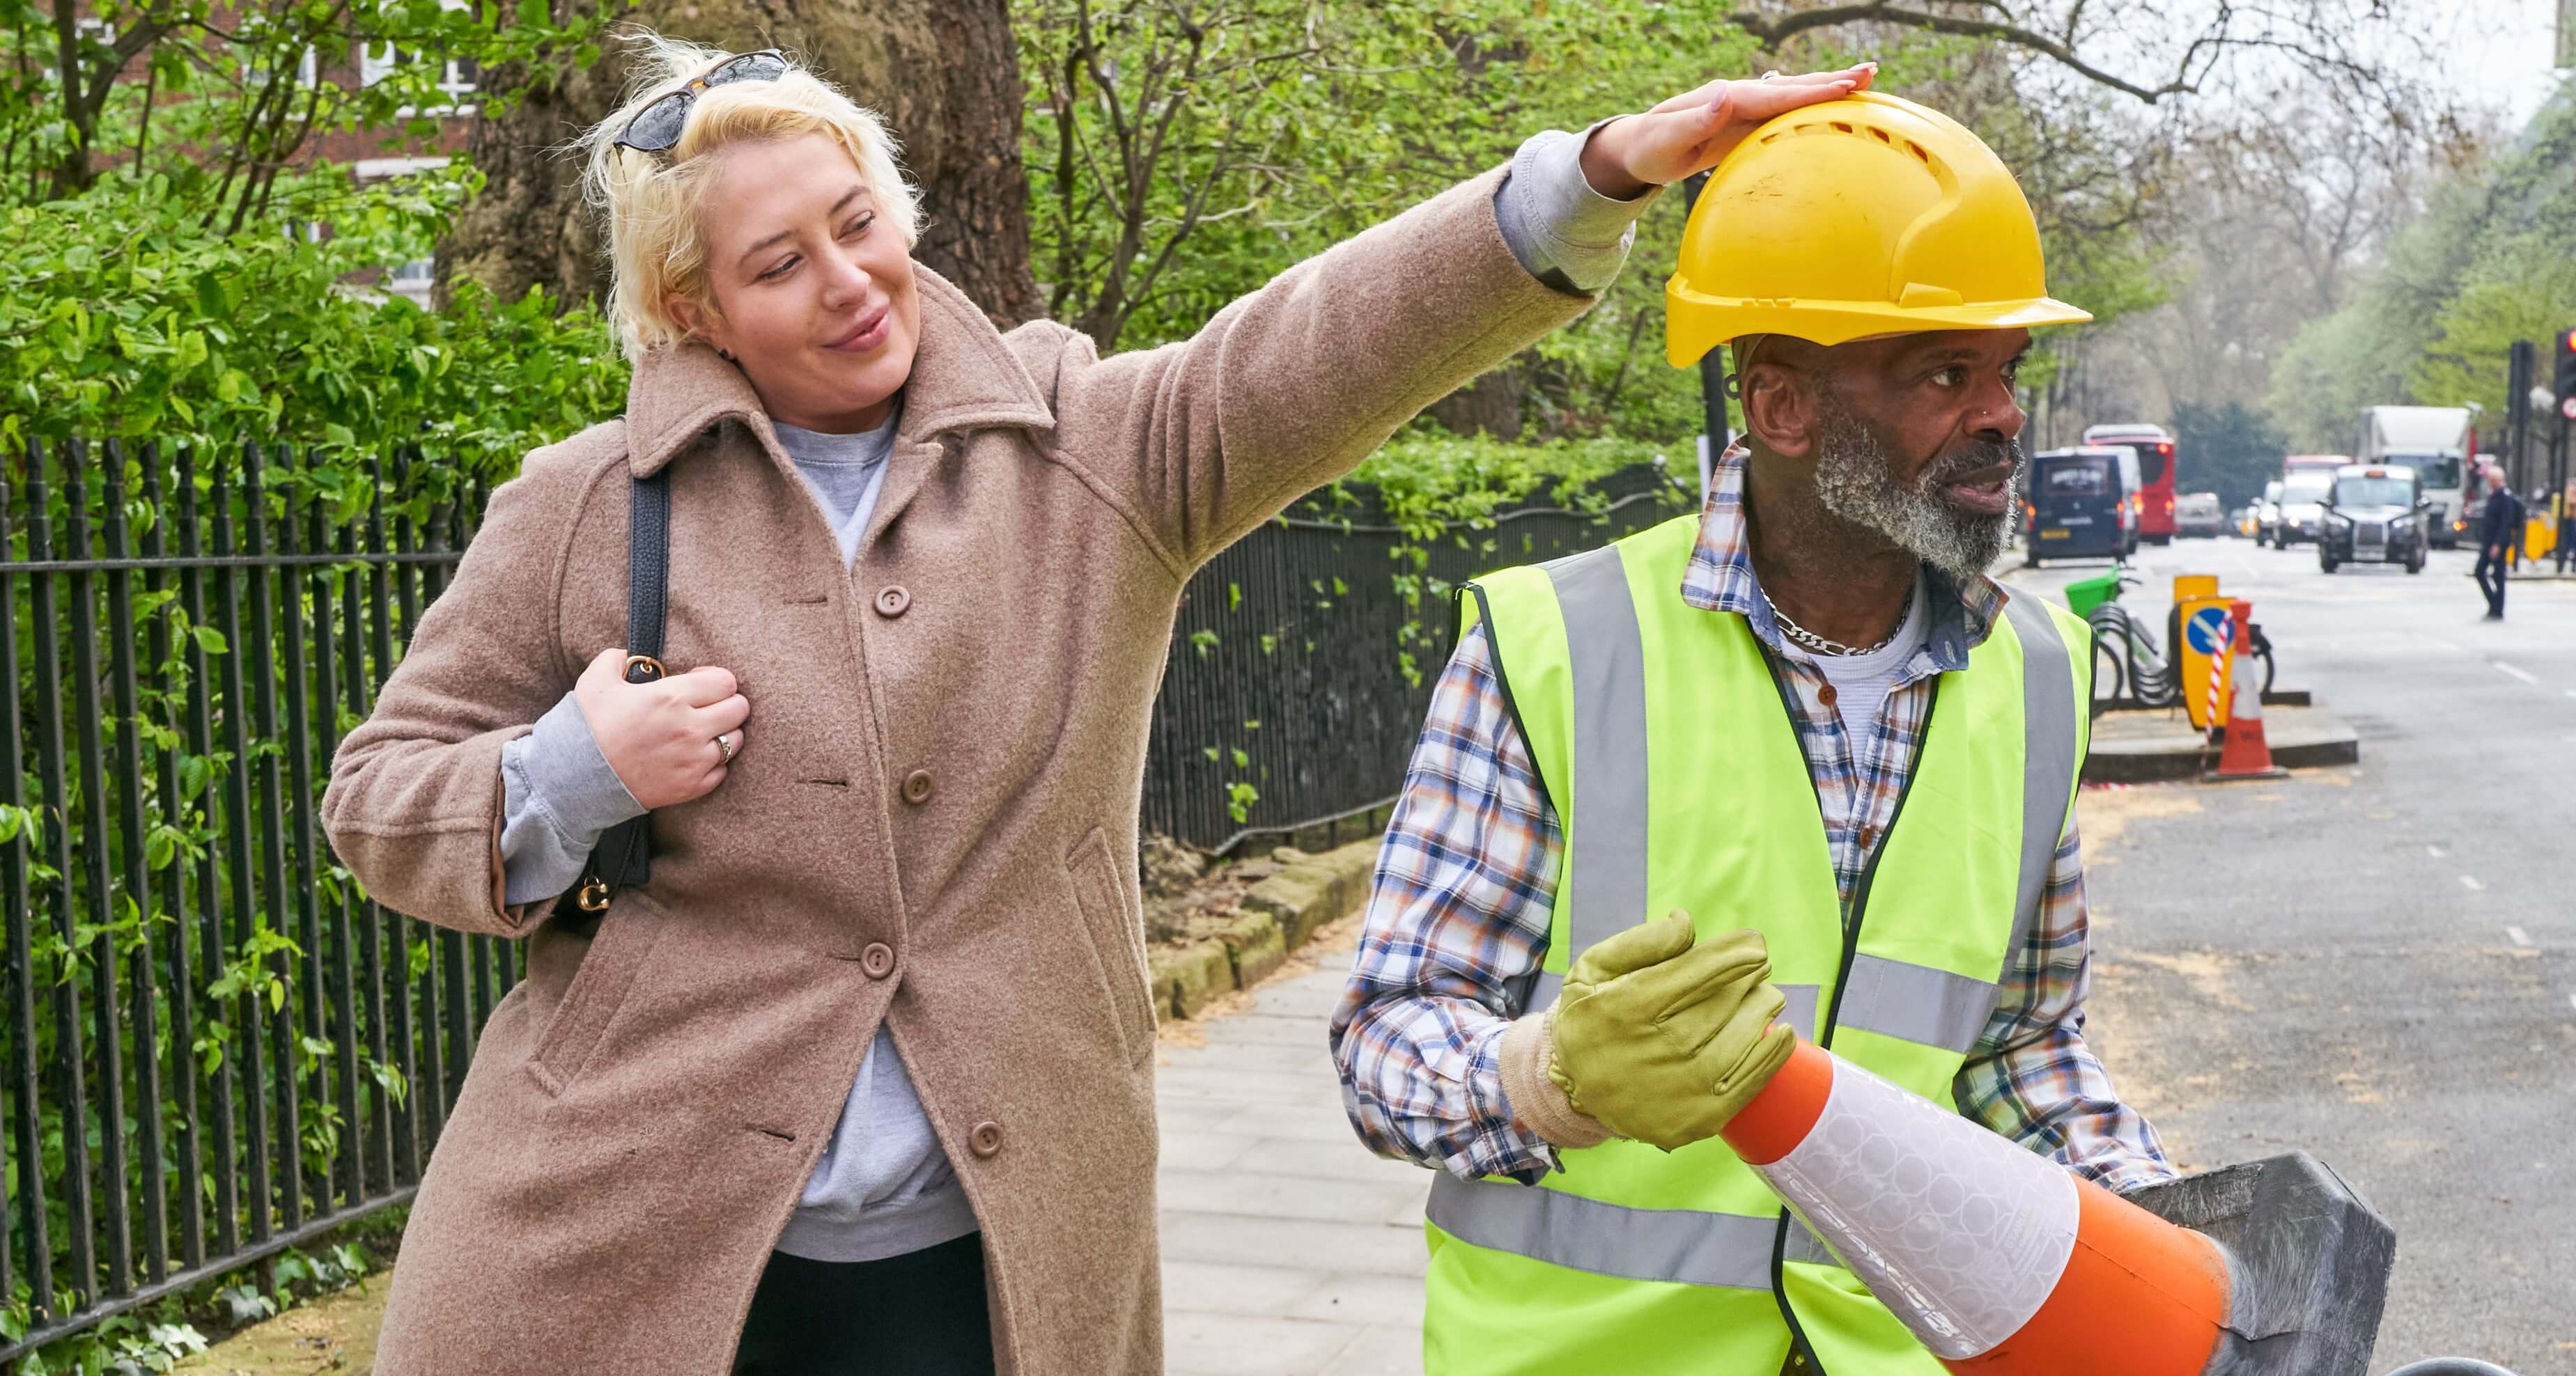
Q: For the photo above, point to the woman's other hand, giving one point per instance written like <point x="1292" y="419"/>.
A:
<point x="1693" y="131"/>
<point x="660" y="737"/>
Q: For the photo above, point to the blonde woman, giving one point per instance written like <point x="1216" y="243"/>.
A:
<point x="861" y="1079"/>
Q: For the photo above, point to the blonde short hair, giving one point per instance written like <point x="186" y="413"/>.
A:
<point x="650" y="202"/>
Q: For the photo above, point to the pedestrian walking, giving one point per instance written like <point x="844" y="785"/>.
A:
<point x="2499" y="536"/>
<point x="1803" y="723"/>
<point x="860" y="1079"/>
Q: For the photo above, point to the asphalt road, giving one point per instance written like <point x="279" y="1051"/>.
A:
<point x="2375" y="964"/>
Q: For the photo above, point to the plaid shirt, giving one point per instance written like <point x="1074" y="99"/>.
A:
<point x="1468" y="875"/>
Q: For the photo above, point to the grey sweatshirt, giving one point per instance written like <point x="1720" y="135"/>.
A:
<point x="883" y="1187"/>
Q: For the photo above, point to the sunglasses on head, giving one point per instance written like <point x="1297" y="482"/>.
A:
<point x="656" y="128"/>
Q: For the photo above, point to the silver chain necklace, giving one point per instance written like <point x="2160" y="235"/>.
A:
<point x="1825" y="645"/>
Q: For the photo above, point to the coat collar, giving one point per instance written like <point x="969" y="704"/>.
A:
<point x="963" y="377"/>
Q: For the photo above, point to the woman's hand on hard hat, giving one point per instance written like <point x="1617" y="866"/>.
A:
<point x="1694" y="130"/>
<point x="1661" y="1037"/>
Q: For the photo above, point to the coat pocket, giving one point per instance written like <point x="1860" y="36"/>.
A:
<point x="1117" y="940"/>
<point x="625" y="940"/>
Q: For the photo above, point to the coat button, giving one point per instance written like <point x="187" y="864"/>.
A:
<point x="877" y="960"/>
<point x="986" y="1140"/>
<point x="916" y="786"/>
<point x="893" y="602"/>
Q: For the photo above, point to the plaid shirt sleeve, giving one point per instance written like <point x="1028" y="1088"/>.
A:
<point x="2031" y="1078"/>
<point x="1458" y="913"/>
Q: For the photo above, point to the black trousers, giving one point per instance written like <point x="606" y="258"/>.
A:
<point x="919" y="1314"/>
<point x="2491" y="579"/>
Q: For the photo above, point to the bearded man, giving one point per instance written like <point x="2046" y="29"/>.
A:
<point x="1806" y="716"/>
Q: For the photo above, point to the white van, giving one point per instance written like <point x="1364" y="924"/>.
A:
<point x="2435" y="441"/>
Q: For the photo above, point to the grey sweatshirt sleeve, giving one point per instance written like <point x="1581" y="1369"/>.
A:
<point x="558" y="794"/>
<point x="1568" y="235"/>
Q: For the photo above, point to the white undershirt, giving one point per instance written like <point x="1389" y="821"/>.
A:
<point x="1861" y="681"/>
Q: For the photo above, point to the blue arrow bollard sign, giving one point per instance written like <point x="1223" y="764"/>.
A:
<point x="2208" y="631"/>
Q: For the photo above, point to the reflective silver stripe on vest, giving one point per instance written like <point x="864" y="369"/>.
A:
<point x="1916" y="1003"/>
<point x="1800" y="1012"/>
<point x="1607" y="653"/>
<point x="2047" y="757"/>
<point x="1807" y="1247"/>
<point x="1730" y="1250"/>
<point x="1544" y="989"/>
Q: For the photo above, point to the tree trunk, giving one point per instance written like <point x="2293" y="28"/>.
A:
<point x="1490" y="405"/>
<point x="943" y="73"/>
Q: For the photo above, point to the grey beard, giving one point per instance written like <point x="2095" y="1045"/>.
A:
<point x="1855" y="482"/>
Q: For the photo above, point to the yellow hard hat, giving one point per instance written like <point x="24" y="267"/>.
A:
<point x="1863" y="216"/>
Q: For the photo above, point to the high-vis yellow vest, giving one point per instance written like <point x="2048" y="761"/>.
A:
<point x="1671" y="761"/>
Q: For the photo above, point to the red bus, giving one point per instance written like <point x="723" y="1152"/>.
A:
<point x="2154" y="447"/>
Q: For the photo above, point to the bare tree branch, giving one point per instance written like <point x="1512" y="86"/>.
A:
<point x="2320" y="36"/>
<point x="1772" y="32"/>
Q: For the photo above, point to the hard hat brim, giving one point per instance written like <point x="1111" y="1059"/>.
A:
<point x="1697" y="323"/>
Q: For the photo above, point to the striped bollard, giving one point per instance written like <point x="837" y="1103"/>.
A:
<point x="2217" y="675"/>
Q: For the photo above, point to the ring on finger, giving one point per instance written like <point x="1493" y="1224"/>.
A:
<point x="725" y="746"/>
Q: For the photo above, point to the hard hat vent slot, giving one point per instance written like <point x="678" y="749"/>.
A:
<point x="1917" y="150"/>
<point x="1843" y="127"/>
<point x="1880" y="135"/>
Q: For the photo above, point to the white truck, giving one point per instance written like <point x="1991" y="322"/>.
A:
<point x="2439" y="443"/>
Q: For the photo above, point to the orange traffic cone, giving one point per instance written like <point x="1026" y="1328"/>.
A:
<point x="2244" y="755"/>
<point x="2000" y="1261"/>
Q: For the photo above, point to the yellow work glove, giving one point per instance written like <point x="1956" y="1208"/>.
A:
<point x="1663" y="1039"/>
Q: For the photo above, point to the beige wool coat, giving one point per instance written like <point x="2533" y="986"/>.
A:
<point x="935" y="822"/>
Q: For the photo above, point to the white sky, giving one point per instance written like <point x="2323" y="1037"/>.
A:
<point x="2491" y="53"/>
<point x="2504" y="48"/>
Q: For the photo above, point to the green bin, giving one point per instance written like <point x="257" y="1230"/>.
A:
<point x="2084" y="594"/>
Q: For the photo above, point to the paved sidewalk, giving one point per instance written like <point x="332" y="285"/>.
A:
<point x="1287" y="1247"/>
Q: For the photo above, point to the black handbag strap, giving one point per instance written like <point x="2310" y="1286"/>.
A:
<point x="648" y="575"/>
<point x="623" y="857"/>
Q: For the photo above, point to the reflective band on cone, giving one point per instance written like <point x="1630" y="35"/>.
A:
<point x="2000" y="1261"/>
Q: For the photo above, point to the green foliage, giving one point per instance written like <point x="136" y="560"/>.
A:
<point x="181" y="269"/>
<point x="1181" y="156"/>
<point x="224" y="96"/>
<point x="2486" y="264"/>
<point x="125" y="1345"/>
<point x="178" y="1326"/>
<point x="122" y="318"/>
<point x="2521" y="287"/>
<point x="1439" y="486"/>
<point x="2231" y="450"/>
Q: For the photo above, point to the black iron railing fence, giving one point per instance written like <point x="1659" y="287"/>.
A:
<point x="1300" y="671"/>
<point x="216" y="1047"/>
